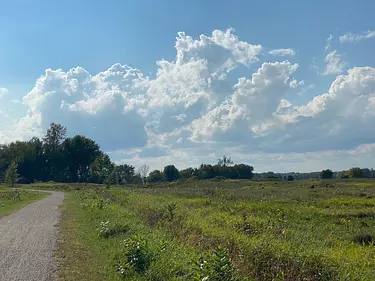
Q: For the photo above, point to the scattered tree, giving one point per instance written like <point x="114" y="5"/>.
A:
<point x="171" y="173"/>
<point x="156" y="176"/>
<point x="326" y="174"/>
<point x="11" y="175"/>
<point x="355" y="173"/>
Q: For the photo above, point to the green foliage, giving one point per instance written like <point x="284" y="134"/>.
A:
<point x="171" y="173"/>
<point x="107" y="230"/>
<point x="156" y="176"/>
<point x="110" y="177"/>
<point x="11" y="174"/>
<point x="135" y="256"/>
<point x="125" y="174"/>
<point x="172" y="211"/>
<point x="290" y="178"/>
<point x="215" y="266"/>
<point x="326" y="174"/>
<point x="355" y="172"/>
<point x="13" y="199"/>
<point x="273" y="230"/>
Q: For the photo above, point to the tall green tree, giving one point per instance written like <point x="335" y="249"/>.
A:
<point x="171" y="173"/>
<point x="80" y="153"/>
<point x="156" y="176"/>
<point x="125" y="173"/>
<point x="54" y="157"/>
<point x="356" y="172"/>
<point x="326" y="174"/>
<point x="11" y="174"/>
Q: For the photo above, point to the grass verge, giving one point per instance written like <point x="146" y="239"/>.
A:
<point x="13" y="199"/>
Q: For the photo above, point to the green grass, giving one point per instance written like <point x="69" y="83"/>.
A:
<point x="12" y="200"/>
<point x="301" y="230"/>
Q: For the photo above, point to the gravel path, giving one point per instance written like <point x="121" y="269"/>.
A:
<point x="27" y="241"/>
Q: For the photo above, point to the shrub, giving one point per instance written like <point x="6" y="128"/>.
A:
<point x="135" y="256"/>
<point x="172" y="211"/>
<point x="106" y="230"/>
<point x="214" y="267"/>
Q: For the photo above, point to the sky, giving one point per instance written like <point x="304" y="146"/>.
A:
<point x="280" y="85"/>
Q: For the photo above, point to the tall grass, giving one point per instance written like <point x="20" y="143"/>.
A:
<point x="302" y="230"/>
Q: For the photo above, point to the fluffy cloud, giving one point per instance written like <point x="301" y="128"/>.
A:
<point x="197" y="108"/>
<point x="282" y="52"/>
<point x="99" y="106"/>
<point x="334" y="63"/>
<point x="350" y="37"/>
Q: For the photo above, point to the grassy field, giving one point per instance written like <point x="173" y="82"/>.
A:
<point x="13" y="199"/>
<point x="220" y="230"/>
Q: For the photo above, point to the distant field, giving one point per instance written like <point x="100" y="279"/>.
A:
<point x="13" y="199"/>
<point x="267" y="230"/>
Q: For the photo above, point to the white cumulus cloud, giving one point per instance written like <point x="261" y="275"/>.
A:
<point x="198" y="105"/>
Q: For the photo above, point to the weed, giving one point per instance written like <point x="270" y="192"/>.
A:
<point x="106" y="230"/>
<point x="171" y="211"/>
<point x="215" y="266"/>
<point x="135" y="256"/>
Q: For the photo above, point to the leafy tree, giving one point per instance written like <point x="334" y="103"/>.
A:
<point x="156" y="176"/>
<point x="355" y="172"/>
<point x="80" y="152"/>
<point x="54" y="157"/>
<point x="188" y="173"/>
<point x="290" y="178"/>
<point x="125" y="173"/>
<point x="171" y="173"/>
<point x="11" y="175"/>
<point x="55" y="135"/>
<point x="326" y="174"/>
<point x="110" y="177"/>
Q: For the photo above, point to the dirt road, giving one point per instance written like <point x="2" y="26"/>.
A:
<point x="27" y="240"/>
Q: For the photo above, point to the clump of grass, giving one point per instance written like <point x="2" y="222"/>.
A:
<point x="106" y="230"/>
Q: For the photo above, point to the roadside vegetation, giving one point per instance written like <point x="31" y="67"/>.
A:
<point x="13" y="199"/>
<point x="216" y="221"/>
<point x="220" y="230"/>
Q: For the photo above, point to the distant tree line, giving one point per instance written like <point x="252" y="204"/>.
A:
<point x="223" y="169"/>
<point x="55" y="157"/>
<point x="58" y="158"/>
<point x="354" y="172"/>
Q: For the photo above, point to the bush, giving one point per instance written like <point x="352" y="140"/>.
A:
<point x="135" y="256"/>
<point x="214" y="267"/>
<point x="218" y="178"/>
<point x="106" y="230"/>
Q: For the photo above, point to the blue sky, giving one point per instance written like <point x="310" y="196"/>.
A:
<point x="40" y="35"/>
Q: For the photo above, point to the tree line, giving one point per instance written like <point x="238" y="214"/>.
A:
<point x="59" y="158"/>
<point x="354" y="172"/>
